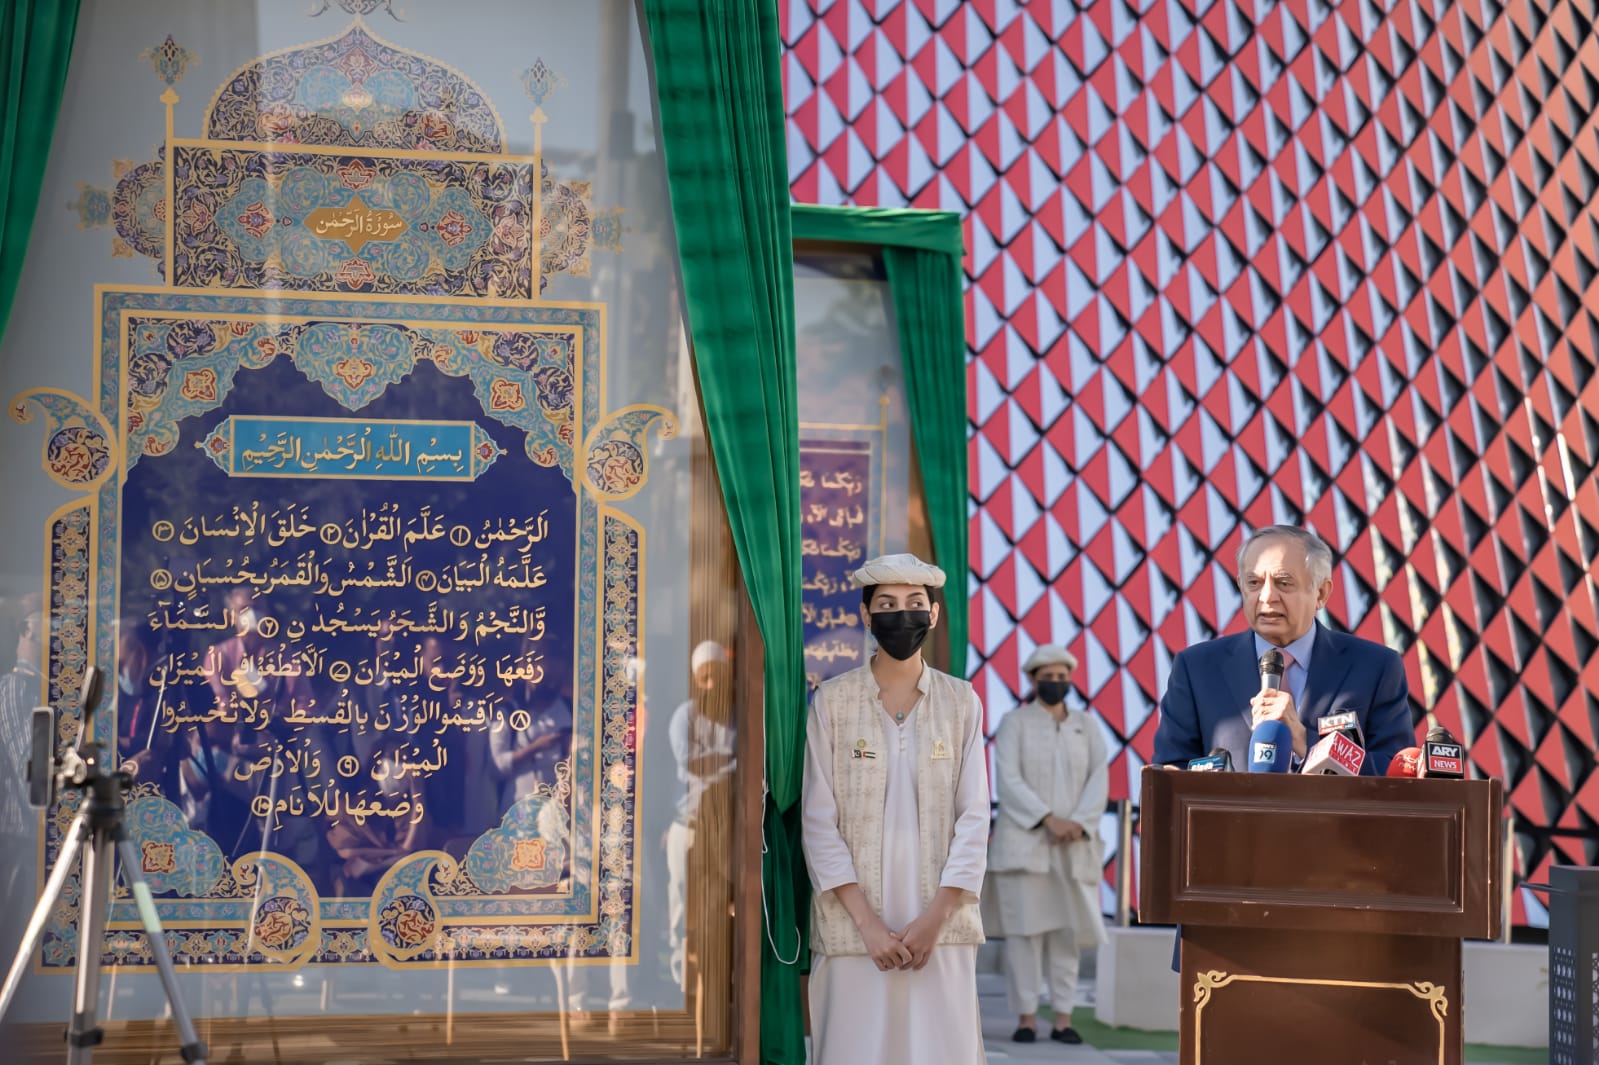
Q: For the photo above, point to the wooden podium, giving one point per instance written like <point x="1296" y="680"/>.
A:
<point x="1322" y="917"/>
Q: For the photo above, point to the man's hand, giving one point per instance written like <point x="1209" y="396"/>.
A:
<point x="1062" y="830"/>
<point x="886" y="948"/>
<point x="1279" y="705"/>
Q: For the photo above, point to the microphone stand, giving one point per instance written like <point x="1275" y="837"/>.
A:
<point x="163" y="652"/>
<point x="96" y="834"/>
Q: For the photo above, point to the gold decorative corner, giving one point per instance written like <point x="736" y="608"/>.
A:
<point x="1208" y="982"/>
<point x="1436" y="997"/>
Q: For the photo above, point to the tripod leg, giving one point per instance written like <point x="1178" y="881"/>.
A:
<point x="84" y="1033"/>
<point x="71" y="843"/>
<point x="192" y="1049"/>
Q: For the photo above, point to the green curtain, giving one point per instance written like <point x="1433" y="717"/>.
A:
<point x="888" y="227"/>
<point x="717" y="66"/>
<point x="922" y="251"/>
<point x="35" y="45"/>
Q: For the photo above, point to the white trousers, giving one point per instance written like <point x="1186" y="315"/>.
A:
<point x="679" y="837"/>
<point x="1025" y="970"/>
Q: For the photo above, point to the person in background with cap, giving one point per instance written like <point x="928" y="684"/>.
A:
<point x="705" y="747"/>
<point x="1045" y="859"/>
<point x="895" y="816"/>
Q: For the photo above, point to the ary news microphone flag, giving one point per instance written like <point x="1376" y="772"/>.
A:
<point x="1442" y="755"/>
<point x="1219" y="760"/>
<point x="1271" y="671"/>
<point x="1406" y="763"/>
<point x="1335" y="754"/>
<point x="1271" y="747"/>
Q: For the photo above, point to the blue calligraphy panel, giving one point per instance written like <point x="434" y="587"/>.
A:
<point x="835" y="522"/>
<point x="346" y="650"/>
<point x="372" y="719"/>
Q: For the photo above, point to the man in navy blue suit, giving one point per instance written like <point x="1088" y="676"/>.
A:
<point x="1213" y="697"/>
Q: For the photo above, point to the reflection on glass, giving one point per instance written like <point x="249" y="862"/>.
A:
<point x="856" y="464"/>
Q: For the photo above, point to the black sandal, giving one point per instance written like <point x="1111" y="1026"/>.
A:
<point x="1066" y="1035"/>
<point x="1024" y="1035"/>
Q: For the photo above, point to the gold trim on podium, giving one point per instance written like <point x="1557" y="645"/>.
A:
<point x="1435" y="995"/>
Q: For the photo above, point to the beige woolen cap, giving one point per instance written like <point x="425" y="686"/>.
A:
<point x="897" y="569"/>
<point x="1049" y="654"/>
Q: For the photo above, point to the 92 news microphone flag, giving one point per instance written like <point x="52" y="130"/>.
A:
<point x="1271" y="747"/>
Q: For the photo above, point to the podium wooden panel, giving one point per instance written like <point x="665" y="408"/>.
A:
<point x="1322" y="917"/>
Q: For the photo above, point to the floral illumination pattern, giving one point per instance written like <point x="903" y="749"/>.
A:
<point x="158" y="857"/>
<point x="356" y="91"/>
<point x="170" y="60"/>
<point x="541" y="82"/>
<point x="282" y="923"/>
<point x="93" y="207"/>
<point x="615" y="462"/>
<point x="77" y="448"/>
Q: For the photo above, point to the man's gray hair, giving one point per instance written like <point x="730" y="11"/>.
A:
<point x="1318" y="556"/>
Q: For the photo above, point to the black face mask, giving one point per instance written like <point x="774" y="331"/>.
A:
<point x="1052" y="692"/>
<point x="901" y="633"/>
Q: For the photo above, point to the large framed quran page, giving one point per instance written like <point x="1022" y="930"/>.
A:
<point x="364" y="452"/>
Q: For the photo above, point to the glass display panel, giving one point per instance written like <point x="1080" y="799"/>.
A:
<point x="856" y="463"/>
<point x="355" y="436"/>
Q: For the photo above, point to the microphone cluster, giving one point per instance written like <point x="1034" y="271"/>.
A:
<point x="1340" y="749"/>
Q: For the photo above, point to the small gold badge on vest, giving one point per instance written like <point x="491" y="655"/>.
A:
<point x="860" y="751"/>
<point x="940" y="751"/>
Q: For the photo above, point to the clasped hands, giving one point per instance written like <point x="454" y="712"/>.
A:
<point x="1278" y="705"/>
<point x="1063" y="831"/>
<point x="906" y="949"/>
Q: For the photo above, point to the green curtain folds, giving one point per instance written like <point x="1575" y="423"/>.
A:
<point x="717" y="66"/>
<point x="35" y="46"/>
<point x="922" y="251"/>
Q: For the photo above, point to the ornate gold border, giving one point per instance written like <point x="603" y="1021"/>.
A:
<point x="1435" y="995"/>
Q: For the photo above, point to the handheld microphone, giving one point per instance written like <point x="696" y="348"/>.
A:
<point x="1335" y="754"/>
<point x="1271" y="747"/>
<point x="1442" y="755"/>
<point x="1406" y="763"/>
<point x="1219" y="760"/>
<point x="1271" y="670"/>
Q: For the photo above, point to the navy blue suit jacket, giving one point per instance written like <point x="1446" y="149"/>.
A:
<point x="1206" y="704"/>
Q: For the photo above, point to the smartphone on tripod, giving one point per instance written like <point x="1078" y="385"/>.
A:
<point x="97" y="835"/>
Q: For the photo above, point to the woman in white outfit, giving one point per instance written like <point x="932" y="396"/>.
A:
<point x="896" y="826"/>
<point x="1044" y="862"/>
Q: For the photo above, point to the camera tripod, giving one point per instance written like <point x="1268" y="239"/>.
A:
<point x="96" y="834"/>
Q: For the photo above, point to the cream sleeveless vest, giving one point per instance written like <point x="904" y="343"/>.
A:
<point x="860" y="787"/>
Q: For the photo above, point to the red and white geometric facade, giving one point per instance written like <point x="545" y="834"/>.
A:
<point x="1237" y="263"/>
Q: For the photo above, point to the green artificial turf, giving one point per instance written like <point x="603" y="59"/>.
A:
<point x="1105" y="1037"/>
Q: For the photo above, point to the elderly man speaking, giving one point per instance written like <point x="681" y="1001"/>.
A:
<point x="1214" y="698"/>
